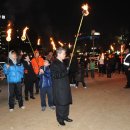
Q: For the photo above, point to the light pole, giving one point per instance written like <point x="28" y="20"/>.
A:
<point x="94" y="34"/>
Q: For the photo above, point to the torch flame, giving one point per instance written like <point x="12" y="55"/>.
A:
<point x="102" y="56"/>
<point x="38" y="42"/>
<point x="122" y="48"/>
<point x="61" y="43"/>
<point x="69" y="45"/>
<point x="24" y="34"/>
<point x="85" y="8"/>
<point x="52" y="43"/>
<point x="112" y="48"/>
<point x="8" y="38"/>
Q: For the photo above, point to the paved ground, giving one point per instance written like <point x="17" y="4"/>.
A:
<point x="104" y="105"/>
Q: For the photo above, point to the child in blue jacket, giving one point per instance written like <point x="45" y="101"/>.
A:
<point x="14" y="72"/>
<point x="46" y="86"/>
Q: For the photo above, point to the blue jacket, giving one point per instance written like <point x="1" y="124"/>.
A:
<point x="45" y="79"/>
<point x="14" y="73"/>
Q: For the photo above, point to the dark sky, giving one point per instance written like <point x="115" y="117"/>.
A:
<point x="60" y="18"/>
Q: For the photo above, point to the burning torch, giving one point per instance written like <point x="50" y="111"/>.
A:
<point x="53" y="44"/>
<point x="122" y="50"/>
<point x="85" y="12"/>
<point x="38" y="42"/>
<point x="8" y="39"/>
<point x="61" y="44"/>
<point x="24" y="36"/>
<point x="112" y="48"/>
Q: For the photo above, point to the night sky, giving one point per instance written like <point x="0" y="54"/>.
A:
<point x="60" y="18"/>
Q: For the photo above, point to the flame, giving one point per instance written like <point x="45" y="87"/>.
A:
<point x="112" y="48"/>
<point x="102" y="56"/>
<point x="8" y="38"/>
<point x="122" y="48"/>
<point x="9" y="24"/>
<point x="85" y="8"/>
<point x="52" y="43"/>
<point x="61" y="43"/>
<point x="69" y="45"/>
<point x="38" y="41"/>
<point x="24" y="34"/>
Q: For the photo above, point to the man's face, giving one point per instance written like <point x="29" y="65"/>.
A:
<point x="14" y="56"/>
<point x="37" y="55"/>
<point x="46" y="63"/>
<point x="62" y="55"/>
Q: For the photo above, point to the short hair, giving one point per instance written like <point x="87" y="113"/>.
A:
<point x="59" y="50"/>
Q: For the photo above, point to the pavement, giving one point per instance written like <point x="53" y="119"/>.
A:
<point x="104" y="105"/>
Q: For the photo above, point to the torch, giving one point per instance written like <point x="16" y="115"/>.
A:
<point x="8" y="39"/>
<point x="38" y="42"/>
<point x="61" y="44"/>
<point x="69" y="45"/>
<point x="52" y="43"/>
<point x="24" y="36"/>
<point x="122" y="50"/>
<point x="85" y="13"/>
<point x="112" y="48"/>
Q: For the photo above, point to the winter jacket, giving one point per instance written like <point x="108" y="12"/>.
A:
<point x="29" y="74"/>
<point x="45" y="79"/>
<point x="36" y="64"/>
<point x="14" y="73"/>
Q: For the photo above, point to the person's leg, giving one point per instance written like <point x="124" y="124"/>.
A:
<point x="50" y="96"/>
<point x="92" y="74"/>
<point x="86" y="72"/>
<point x="83" y="83"/>
<point x="11" y="94"/>
<point x="18" y="88"/>
<point x="26" y="89"/>
<point x="128" y="78"/>
<point x="31" y="90"/>
<point x="62" y="113"/>
<point x="37" y="85"/>
<point x="43" y="97"/>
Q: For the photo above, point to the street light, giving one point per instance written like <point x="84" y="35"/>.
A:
<point x="93" y="34"/>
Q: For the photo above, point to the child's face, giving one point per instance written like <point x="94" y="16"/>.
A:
<point x="46" y="63"/>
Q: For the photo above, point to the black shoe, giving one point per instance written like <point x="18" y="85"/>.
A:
<point x="32" y="97"/>
<point x="68" y="120"/>
<point x="62" y="123"/>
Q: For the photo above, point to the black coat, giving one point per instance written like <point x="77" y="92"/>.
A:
<point x="60" y="84"/>
<point x="29" y="74"/>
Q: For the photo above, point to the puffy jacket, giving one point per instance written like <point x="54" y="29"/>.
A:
<point x="45" y="79"/>
<point x="37" y="63"/>
<point x="14" y="73"/>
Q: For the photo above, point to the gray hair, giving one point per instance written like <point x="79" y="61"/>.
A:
<point x="59" y="50"/>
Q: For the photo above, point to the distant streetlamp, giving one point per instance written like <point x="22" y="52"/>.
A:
<point x="93" y="34"/>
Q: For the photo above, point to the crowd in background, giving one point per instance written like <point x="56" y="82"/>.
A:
<point x="35" y="71"/>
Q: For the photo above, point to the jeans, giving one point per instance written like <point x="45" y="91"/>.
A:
<point x="37" y="85"/>
<point x="92" y="74"/>
<point x="43" y="92"/>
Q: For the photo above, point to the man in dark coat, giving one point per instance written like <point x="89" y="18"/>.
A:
<point x="61" y="88"/>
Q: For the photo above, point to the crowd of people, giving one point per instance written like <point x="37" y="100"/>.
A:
<point x="52" y="76"/>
